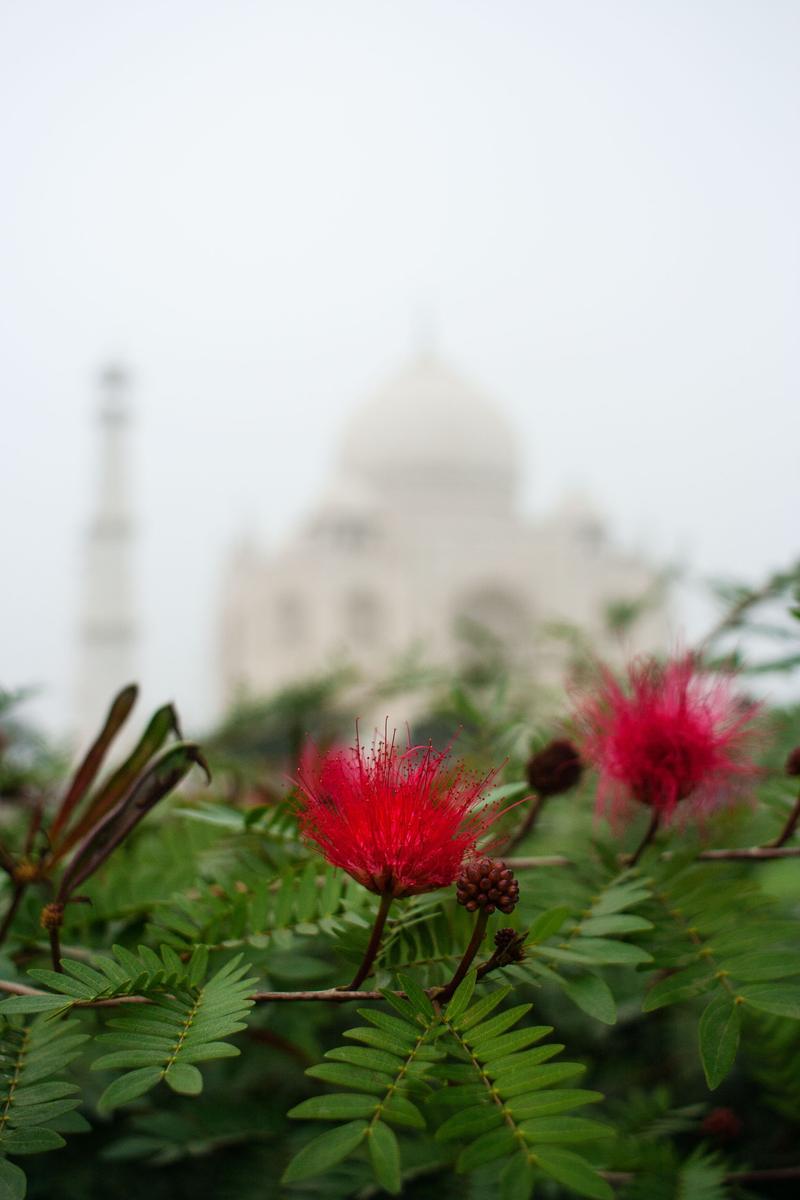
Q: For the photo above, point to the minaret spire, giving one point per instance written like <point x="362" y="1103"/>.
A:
<point x="108" y="631"/>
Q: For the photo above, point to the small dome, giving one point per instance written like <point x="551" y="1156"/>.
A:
<point x="427" y="424"/>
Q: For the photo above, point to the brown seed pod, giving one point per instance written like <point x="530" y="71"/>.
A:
<point x="793" y="762"/>
<point x="555" y="769"/>
<point x="487" y="884"/>
<point x="504" y="937"/>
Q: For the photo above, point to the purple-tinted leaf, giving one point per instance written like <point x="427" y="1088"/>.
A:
<point x="85" y="775"/>
<point x="158" y="781"/>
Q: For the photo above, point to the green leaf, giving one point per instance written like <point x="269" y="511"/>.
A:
<point x="617" y="898"/>
<point x="13" y="1184"/>
<point x="516" y="1179"/>
<point x="619" y="923"/>
<point x="573" y="1171"/>
<point x="565" y="1129"/>
<point x="593" y="995"/>
<point x="482" y="1008"/>
<point x="461" y="997"/>
<point x="33" y="1004"/>
<point x="547" y="923"/>
<point x="469" y="1122"/>
<point x="496" y="1025"/>
<point x="365" y="1056"/>
<point x="771" y="964"/>
<point x="128" y="1087"/>
<point x="682" y="985"/>
<point x="607" y="950"/>
<point x="343" y="1075"/>
<point x="336" y="1106"/>
<point x="325" y="1151"/>
<point x="32" y="1141"/>
<point x="174" y="1032"/>
<point x="33" y="1103"/>
<point x="401" y="1031"/>
<point x="489" y="1146"/>
<point x="514" y="1064"/>
<point x="378" y="1039"/>
<point x="384" y="1154"/>
<point x="184" y="1079"/>
<point x="550" y="1073"/>
<point x="783" y="1001"/>
<point x="400" y="1111"/>
<point x="719" y="1038"/>
<point x="419" y="1000"/>
<point x="508" y="1043"/>
<point x="548" y="1103"/>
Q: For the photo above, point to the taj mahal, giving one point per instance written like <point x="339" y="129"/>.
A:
<point x="418" y="537"/>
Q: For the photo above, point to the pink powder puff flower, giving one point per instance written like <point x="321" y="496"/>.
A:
<point x="399" y="822"/>
<point x="675" y="732"/>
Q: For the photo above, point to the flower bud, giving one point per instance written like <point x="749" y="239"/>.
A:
<point x="25" y="872"/>
<point x="487" y="884"/>
<point x="52" y="916"/>
<point x="509" y="945"/>
<point x="555" y="769"/>
<point x="793" y="762"/>
<point x="722" y="1123"/>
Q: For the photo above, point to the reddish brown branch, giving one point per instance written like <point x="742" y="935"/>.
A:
<point x="524" y="828"/>
<point x="744" y="853"/>
<point x="788" y="829"/>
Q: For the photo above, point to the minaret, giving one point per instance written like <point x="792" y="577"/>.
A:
<point x="108" y="631"/>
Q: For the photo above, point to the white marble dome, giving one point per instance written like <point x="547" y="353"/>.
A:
<point x="426" y="424"/>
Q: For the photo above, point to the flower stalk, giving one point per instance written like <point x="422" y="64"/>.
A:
<point x="472" y="949"/>
<point x="652" y="829"/>
<point x="374" y="943"/>
<point x="789" y="827"/>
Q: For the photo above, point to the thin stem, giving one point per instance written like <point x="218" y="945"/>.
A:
<point x="470" y="952"/>
<point x="374" y="943"/>
<point x="740" y="853"/>
<point x="525" y="826"/>
<point x="55" y="949"/>
<point x="789" y="827"/>
<point x="647" y="839"/>
<point x="19" y="892"/>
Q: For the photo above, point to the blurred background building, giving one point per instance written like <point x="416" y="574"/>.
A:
<point x="418" y="542"/>
<point x="250" y="199"/>
<point x="107" y="659"/>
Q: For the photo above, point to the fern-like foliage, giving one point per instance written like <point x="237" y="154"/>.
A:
<point x="389" y="1064"/>
<point x="506" y="1101"/>
<point x="775" y="1063"/>
<point x="163" y="1040"/>
<point x="467" y="1073"/>
<point x="176" y="1018"/>
<point x="715" y="935"/>
<point x="126" y="974"/>
<point x="36" y="1102"/>
<point x="303" y="900"/>
<point x="567" y="946"/>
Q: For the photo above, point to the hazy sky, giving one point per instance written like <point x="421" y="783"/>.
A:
<point x="251" y="203"/>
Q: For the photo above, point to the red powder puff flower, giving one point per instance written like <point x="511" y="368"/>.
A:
<point x="675" y="732"/>
<point x="400" y="822"/>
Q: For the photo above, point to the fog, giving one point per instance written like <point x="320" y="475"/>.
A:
<point x="591" y="206"/>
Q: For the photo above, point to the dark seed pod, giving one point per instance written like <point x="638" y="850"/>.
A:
<point x="504" y="937"/>
<point x="793" y="762"/>
<point x="488" y="884"/>
<point x="555" y="769"/>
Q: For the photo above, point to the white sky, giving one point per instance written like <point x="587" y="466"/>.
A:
<point x="250" y="202"/>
